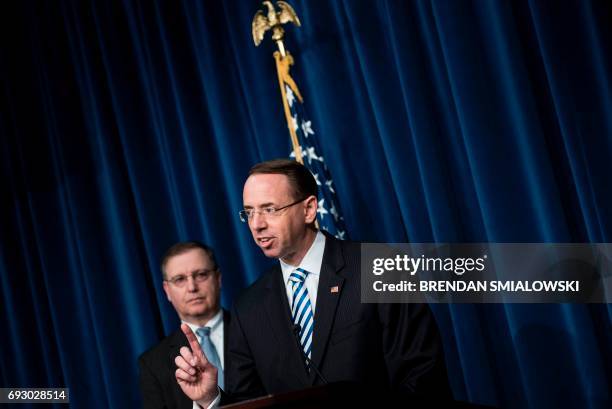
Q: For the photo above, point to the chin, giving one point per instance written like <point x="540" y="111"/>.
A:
<point x="203" y="310"/>
<point x="271" y="253"/>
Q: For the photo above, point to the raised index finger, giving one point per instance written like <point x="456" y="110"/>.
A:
<point x="194" y="345"/>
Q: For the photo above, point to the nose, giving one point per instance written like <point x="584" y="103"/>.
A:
<point x="191" y="284"/>
<point x="258" y="221"/>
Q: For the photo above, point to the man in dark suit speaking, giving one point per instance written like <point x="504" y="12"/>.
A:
<point x="308" y="306"/>
<point x="192" y="283"/>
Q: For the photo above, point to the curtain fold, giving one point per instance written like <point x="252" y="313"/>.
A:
<point x="127" y="126"/>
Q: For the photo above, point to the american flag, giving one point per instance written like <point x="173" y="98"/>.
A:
<point x="328" y="212"/>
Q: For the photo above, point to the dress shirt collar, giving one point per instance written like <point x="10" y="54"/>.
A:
<point x="312" y="260"/>
<point x="213" y="323"/>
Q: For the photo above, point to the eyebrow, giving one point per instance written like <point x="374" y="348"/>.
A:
<point x="199" y="270"/>
<point x="261" y="206"/>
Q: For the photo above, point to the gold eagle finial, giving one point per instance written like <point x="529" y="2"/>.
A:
<point x="273" y="20"/>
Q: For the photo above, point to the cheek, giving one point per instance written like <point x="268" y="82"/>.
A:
<point x="285" y="229"/>
<point x="293" y="229"/>
<point x="210" y="290"/>
<point x="171" y="297"/>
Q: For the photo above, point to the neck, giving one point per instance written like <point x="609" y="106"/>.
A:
<point x="296" y="258"/>
<point x="200" y="320"/>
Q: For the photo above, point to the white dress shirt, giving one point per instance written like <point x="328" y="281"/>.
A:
<point x="311" y="262"/>
<point x="216" y="333"/>
<point x="216" y="337"/>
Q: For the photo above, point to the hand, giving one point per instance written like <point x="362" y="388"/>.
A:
<point x="195" y="375"/>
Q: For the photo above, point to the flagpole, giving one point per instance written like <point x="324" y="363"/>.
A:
<point x="282" y="70"/>
<point x="283" y="63"/>
<point x="273" y="20"/>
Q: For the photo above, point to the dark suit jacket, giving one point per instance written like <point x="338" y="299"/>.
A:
<point x="158" y="384"/>
<point x="388" y="347"/>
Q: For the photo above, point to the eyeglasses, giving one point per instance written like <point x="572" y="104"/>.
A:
<point x="247" y="214"/>
<point x="198" y="277"/>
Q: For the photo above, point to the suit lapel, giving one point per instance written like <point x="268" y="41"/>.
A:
<point x="178" y="340"/>
<point x="277" y="307"/>
<point x="327" y="301"/>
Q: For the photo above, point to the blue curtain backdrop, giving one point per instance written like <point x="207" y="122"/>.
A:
<point x="127" y="126"/>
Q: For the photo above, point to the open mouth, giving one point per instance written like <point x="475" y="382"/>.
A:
<point x="264" y="241"/>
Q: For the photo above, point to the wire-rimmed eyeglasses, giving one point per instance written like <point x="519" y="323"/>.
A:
<point x="247" y="214"/>
<point x="197" y="276"/>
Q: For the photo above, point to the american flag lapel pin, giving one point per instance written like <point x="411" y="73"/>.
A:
<point x="334" y="289"/>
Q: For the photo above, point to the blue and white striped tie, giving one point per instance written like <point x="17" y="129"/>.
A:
<point x="301" y="309"/>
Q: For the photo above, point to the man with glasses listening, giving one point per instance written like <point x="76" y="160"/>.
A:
<point x="192" y="283"/>
<point x="302" y="323"/>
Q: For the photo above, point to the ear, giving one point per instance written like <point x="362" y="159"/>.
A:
<point x="167" y="291"/>
<point x="310" y="209"/>
<point x="219" y="277"/>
